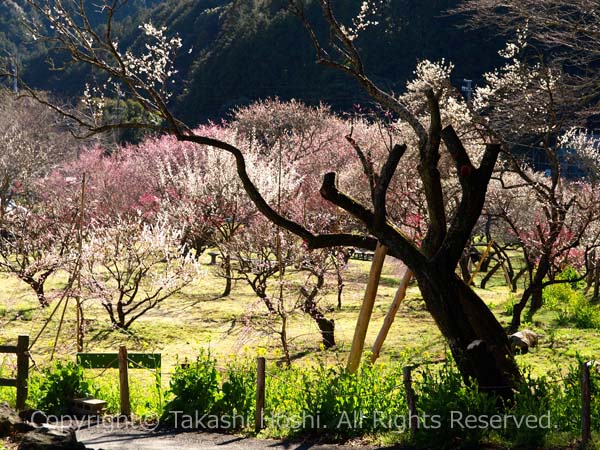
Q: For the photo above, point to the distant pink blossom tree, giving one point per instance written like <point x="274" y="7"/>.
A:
<point x="37" y="237"/>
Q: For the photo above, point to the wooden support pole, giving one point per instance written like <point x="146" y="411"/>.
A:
<point x="413" y="422"/>
<point x="124" y="382"/>
<point x="586" y="397"/>
<point x="364" y="317"/>
<point x="78" y="304"/>
<point x="480" y="263"/>
<point x="260" y="394"/>
<point x="58" y="330"/>
<point x="507" y="279"/>
<point x="22" y="371"/>
<point x="391" y="315"/>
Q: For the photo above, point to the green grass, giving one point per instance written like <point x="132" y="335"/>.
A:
<point x="198" y="318"/>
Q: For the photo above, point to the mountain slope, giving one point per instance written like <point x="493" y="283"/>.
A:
<point x="236" y="51"/>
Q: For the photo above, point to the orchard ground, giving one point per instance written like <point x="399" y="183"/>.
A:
<point x="199" y="318"/>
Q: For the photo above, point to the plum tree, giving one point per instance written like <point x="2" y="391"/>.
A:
<point x="476" y="339"/>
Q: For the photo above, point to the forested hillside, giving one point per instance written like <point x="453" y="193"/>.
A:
<point x="236" y="51"/>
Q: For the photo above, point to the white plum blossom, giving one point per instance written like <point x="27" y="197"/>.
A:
<point x="155" y="66"/>
<point x="132" y="266"/>
<point x="363" y="20"/>
<point x="586" y="149"/>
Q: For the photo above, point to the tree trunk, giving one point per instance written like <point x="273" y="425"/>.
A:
<point x="340" y="288"/>
<point x="589" y="279"/>
<point x="537" y="300"/>
<point x="120" y="319"/>
<point x="310" y="307"/>
<point x="596" y="281"/>
<point x="284" y="341"/>
<point x="477" y="341"/>
<point x="41" y="295"/>
<point x="38" y="288"/>
<point x="327" y="329"/>
<point x="227" y="267"/>
<point x="516" y="279"/>
<point x="518" y="310"/>
<point x="490" y="274"/>
<point x="534" y="290"/>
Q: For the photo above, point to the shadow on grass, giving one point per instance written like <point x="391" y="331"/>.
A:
<point x="202" y="298"/>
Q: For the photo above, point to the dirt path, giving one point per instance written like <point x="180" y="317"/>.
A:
<point x="138" y="439"/>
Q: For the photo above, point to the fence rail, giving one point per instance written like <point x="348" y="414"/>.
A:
<point x="123" y="360"/>
<point x="21" y="381"/>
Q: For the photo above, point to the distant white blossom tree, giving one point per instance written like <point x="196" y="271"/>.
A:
<point x="132" y="267"/>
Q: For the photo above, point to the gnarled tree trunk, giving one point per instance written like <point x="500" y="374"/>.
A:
<point x="228" y="275"/>
<point x="310" y="307"/>
<point x="477" y="341"/>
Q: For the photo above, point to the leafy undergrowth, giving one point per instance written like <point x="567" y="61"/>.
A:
<point x="199" y="322"/>
<point x="323" y="402"/>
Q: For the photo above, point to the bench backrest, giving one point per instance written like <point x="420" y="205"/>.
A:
<point x="111" y="360"/>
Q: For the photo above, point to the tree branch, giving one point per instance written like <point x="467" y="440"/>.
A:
<point x="312" y="240"/>
<point x="474" y="184"/>
<point x="383" y="183"/>
<point x="398" y="244"/>
<point x="429" y="154"/>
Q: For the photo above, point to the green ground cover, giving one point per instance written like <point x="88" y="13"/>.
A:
<point x="197" y="321"/>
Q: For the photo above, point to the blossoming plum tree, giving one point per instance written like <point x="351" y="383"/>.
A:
<point x="132" y="267"/>
<point x="37" y="240"/>
<point x="529" y="102"/>
<point x="476" y="339"/>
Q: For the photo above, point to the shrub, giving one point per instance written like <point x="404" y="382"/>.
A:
<point x="238" y="391"/>
<point x="534" y="398"/>
<point x="442" y="393"/>
<point x="57" y="386"/>
<point x="328" y="401"/>
<point x="580" y="312"/>
<point x="333" y="402"/>
<point x="196" y="387"/>
<point x="571" y="305"/>
<point x="557" y="296"/>
<point x="569" y="273"/>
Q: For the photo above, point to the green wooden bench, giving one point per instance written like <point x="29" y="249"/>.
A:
<point x="111" y="360"/>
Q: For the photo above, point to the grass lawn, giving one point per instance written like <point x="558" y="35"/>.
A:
<point x="199" y="318"/>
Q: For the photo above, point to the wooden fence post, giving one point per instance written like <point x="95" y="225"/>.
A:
<point x="22" y="371"/>
<point x="260" y="394"/>
<point x="413" y="422"/>
<point x="124" y="381"/>
<point x="586" y="414"/>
